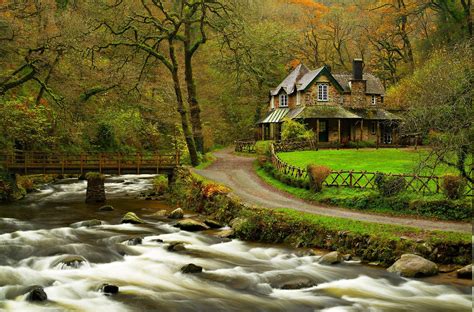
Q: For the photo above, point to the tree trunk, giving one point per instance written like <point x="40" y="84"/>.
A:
<point x="188" y="135"/>
<point x="195" y="110"/>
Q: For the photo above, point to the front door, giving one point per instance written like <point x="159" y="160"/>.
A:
<point x="387" y="135"/>
<point x="323" y="131"/>
<point x="345" y="131"/>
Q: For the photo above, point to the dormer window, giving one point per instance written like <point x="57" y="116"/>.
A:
<point x="374" y="100"/>
<point x="283" y="100"/>
<point x="323" y="92"/>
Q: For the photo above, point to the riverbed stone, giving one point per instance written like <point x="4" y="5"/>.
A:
<point x="178" y="213"/>
<point x="132" y="218"/>
<point x="298" y="283"/>
<point x="135" y="241"/>
<point x="410" y="265"/>
<point x="213" y="224"/>
<point x="176" y="246"/>
<point x="107" y="208"/>
<point x="37" y="293"/>
<point x="465" y="272"/>
<point x="109" y="289"/>
<point x="333" y="257"/>
<point x="191" y="268"/>
<point x="191" y="225"/>
<point x="95" y="192"/>
<point x="87" y="223"/>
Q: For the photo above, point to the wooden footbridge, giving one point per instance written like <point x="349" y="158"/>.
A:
<point x="29" y="162"/>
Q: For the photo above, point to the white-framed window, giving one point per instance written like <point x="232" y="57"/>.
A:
<point x="374" y="100"/>
<point x="283" y="100"/>
<point x="323" y="95"/>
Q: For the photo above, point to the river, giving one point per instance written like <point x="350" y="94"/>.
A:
<point x="36" y="234"/>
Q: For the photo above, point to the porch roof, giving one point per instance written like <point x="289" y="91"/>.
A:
<point x="326" y="111"/>
<point x="377" y="114"/>
<point x="274" y="116"/>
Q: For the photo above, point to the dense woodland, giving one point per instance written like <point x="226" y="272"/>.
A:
<point x="147" y="75"/>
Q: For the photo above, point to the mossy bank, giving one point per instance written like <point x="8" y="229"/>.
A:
<point x="369" y="241"/>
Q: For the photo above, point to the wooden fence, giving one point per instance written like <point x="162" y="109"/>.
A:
<point x="245" y="146"/>
<point x="364" y="179"/>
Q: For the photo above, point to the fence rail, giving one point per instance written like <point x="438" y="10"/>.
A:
<point x="247" y="146"/>
<point x="25" y="162"/>
<point x="364" y="179"/>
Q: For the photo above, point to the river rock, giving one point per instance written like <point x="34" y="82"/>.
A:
<point x="135" y="241"/>
<point x="86" y="223"/>
<point x="160" y="214"/>
<point x="213" y="224"/>
<point x="176" y="246"/>
<point x="410" y="265"/>
<point x="331" y="258"/>
<point x="178" y="213"/>
<point x="191" y="268"/>
<point x="191" y="225"/>
<point x="70" y="262"/>
<point x="109" y="289"/>
<point x="107" y="208"/>
<point x="465" y="272"/>
<point x="37" y="293"/>
<point x="132" y="218"/>
<point x="298" y="283"/>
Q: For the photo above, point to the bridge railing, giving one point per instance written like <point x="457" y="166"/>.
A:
<point x="25" y="161"/>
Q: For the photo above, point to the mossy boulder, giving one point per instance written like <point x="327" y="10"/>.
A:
<point x="176" y="246"/>
<point x="225" y="233"/>
<point x="333" y="257"/>
<point x="132" y="218"/>
<point x="178" y="213"/>
<point x="410" y="265"/>
<point x="191" y="225"/>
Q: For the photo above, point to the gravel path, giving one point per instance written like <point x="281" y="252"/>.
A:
<point x="237" y="173"/>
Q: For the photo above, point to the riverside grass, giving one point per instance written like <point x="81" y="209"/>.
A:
<point x="403" y="204"/>
<point x="369" y="241"/>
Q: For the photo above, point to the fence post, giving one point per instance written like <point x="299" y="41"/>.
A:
<point x="350" y="178"/>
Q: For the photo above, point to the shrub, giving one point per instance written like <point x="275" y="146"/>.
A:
<point x="389" y="185"/>
<point x="262" y="160"/>
<point x="263" y="147"/>
<point x="268" y="167"/>
<point x="317" y="174"/>
<point x="443" y="209"/>
<point x="294" y="130"/>
<point x="453" y="186"/>
<point x="160" y="184"/>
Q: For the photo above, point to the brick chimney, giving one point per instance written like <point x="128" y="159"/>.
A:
<point x="358" y="84"/>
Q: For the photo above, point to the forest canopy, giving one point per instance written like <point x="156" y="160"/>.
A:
<point x="148" y="75"/>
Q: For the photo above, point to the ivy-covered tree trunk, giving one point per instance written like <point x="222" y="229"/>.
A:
<point x="194" y="108"/>
<point x="188" y="135"/>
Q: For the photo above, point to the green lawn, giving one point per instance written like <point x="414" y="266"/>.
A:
<point x="382" y="160"/>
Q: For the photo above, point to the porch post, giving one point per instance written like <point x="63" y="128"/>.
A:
<point x="338" y="133"/>
<point x="317" y="134"/>
<point x="263" y="132"/>
<point x="361" y="129"/>
<point x="378" y="133"/>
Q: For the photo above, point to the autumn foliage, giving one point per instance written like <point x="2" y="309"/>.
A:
<point x="212" y="189"/>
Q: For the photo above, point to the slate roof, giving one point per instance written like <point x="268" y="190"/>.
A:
<point x="373" y="84"/>
<point x="289" y="83"/>
<point x="301" y="77"/>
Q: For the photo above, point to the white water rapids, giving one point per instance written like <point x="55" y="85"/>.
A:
<point x="237" y="276"/>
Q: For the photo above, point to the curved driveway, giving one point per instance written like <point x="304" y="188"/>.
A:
<point x="237" y="173"/>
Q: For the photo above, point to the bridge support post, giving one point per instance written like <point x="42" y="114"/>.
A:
<point x="171" y="178"/>
<point x="95" y="188"/>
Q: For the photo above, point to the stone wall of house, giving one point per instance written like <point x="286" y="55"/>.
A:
<point x="310" y="97"/>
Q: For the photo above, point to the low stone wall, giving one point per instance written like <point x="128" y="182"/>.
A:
<point x="270" y="226"/>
